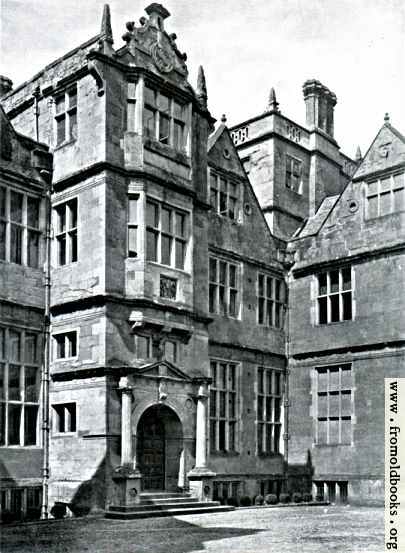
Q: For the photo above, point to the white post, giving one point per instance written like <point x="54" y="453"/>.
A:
<point x="126" y="430"/>
<point x="201" y="429"/>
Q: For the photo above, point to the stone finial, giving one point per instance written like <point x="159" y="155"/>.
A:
<point x="106" y="36"/>
<point x="358" y="156"/>
<point x="6" y="85"/>
<point x="202" y="87"/>
<point x="157" y="14"/>
<point x="223" y="119"/>
<point x="273" y="104"/>
<point x="387" y="118"/>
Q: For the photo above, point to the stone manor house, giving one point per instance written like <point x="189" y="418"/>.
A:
<point x="224" y="302"/>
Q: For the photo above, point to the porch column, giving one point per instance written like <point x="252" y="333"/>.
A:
<point x="201" y="429"/>
<point x="126" y="427"/>
<point x="200" y="477"/>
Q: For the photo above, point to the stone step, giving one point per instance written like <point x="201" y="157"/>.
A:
<point x="141" y="507"/>
<point x="168" y="500"/>
<point x="127" y="515"/>
<point x="163" y="495"/>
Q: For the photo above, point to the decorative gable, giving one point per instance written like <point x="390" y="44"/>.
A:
<point x="386" y="151"/>
<point x="222" y="152"/>
<point x="150" y="46"/>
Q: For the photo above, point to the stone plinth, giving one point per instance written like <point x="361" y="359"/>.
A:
<point x="128" y="482"/>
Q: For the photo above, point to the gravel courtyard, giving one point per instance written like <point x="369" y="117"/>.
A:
<point x="286" y="530"/>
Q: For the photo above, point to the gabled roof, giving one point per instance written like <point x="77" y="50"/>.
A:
<point x="215" y="136"/>
<point x="387" y="150"/>
<point x="315" y="223"/>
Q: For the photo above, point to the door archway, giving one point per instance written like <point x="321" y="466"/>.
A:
<point x="159" y="446"/>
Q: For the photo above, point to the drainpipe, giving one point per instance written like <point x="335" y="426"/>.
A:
<point x="42" y="161"/>
<point x="36" y="94"/>
<point x="286" y="377"/>
<point x="47" y="351"/>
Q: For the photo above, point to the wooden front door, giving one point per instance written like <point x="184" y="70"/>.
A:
<point x="151" y="451"/>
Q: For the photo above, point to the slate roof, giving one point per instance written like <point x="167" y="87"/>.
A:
<point x="314" y="223"/>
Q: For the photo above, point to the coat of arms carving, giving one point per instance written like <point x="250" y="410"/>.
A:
<point x="162" y="59"/>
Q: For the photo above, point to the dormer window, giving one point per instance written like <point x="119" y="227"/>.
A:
<point x="164" y="119"/>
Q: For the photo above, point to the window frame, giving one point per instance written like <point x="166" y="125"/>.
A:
<point x="176" y="351"/>
<point x="171" y="235"/>
<point x="68" y="234"/>
<point x="158" y="115"/>
<point x="67" y="115"/>
<point x="227" y="423"/>
<point x="65" y="334"/>
<point x="221" y="291"/>
<point x="21" y="364"/>
<point x="217" y="193"/>
<point x="62" y="406"/>
<point x="381" y="192"/>
<point x="293" y="173"/>
<point x="271" y="300"/>
<point x="330" y="391"/>
<point x="268" y="441"/>
<point x="25" y="228"/>
<point x="149" y="339"/>
<point x="328" y="298"/>
<point x="133" y="226"/>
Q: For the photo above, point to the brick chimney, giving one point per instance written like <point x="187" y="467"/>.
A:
<point x="320" y="103"/>
<point x="6" y="85"/>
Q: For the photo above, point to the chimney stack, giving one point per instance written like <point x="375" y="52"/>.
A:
<point x="6" y="85"/>
<point x="320" y="103"/>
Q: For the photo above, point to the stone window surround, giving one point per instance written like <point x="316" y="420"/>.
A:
<point x="271" y="300"/>
<point x="173" y="339"/>
<point x="26" y="231"/>
<point x="268" y="392"/>
<point x="337" y="390"/>
<point x="139" y="98"/>
<point x="222" y="291"/>
<point x="68" y="344"/>
<point x="293" y="173"/>
<point x="334" y="491"/>
<point x="21" y="363"/>
<point x="392" y="195"/>
<point x="335" y="304"/>
<point x="226" y="489"/>
<point x="66" y="116"/>
<point x="67" y="234"/>
<point x="225" y="424"/>
<point x="64" y="418"/>
<point x="173" y="236"/>
<point x="31" y="498"/>
<point x="133" y="224"/>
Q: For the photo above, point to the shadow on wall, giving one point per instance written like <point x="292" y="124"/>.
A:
<point x="90" y="496"/>
<point x="300" y="476"/>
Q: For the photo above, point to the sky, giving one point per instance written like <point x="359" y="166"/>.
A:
<point x="355" y="47"/>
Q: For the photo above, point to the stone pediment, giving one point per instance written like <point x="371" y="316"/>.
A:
<point x="163" y="369"/>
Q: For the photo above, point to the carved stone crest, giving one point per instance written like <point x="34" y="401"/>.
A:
<point x="162" y="59"/>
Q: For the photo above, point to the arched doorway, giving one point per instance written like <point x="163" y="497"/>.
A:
<point x="159" y="446"/>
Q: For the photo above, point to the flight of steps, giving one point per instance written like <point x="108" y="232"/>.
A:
<point x="164" y="504"/>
